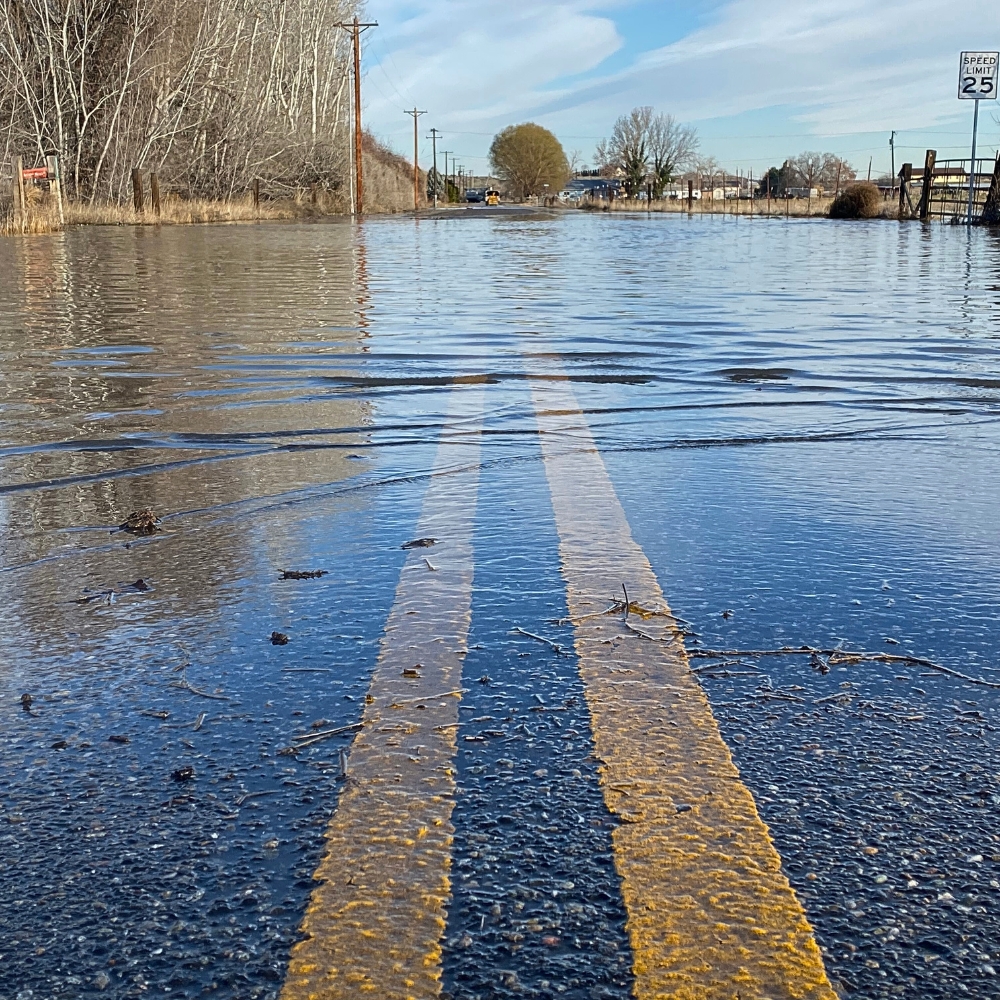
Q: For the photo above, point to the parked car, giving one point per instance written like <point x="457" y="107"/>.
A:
<point x="475" y="194"/>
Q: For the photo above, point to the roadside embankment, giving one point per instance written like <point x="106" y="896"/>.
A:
<point x="777" y="207"/>
<point x="388" y="188"/>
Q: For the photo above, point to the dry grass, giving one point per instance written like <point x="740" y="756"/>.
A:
<point x="798" y="207"/>
<point x="43" y="215"/>
<point x="179" y="211"/>
<point x="388" y="179"/>
<point x="777" y="207"/>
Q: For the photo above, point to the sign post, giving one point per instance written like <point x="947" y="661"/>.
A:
<point x="977" y="81"/>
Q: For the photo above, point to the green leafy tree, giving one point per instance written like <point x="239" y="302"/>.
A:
<point x="529" y="159"/>
<point x="778" y="180"/>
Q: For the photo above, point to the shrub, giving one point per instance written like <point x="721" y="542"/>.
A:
<point x="858" y="201"/>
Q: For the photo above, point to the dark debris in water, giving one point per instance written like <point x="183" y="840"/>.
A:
<point x="141" y="522"/>
<point x="757" y="374"/>
<point x="279" y="639"/>
<point x="308" y="574"/>
<point x="419" y="543"/>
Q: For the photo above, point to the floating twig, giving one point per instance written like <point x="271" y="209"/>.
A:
<point x="304" y="739"/>
<point x="836" y="696"/>
<point x="240" y="799"/>
<point x="718" y="666"/>
<point x="541" y="638"/>
<point x="836" y="657"/>
<point x="430" y="565"/>
<point x="306" y="670"/>
<point x="183" y="683"/>
<point x="199" y="722"/>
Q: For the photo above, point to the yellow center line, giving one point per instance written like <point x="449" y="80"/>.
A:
<point x="375" y="920"/>
<point x="710" y="914"/>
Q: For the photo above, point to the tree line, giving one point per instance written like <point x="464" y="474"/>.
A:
<point x="208" y="95"/>
<point x="647" y="151"/>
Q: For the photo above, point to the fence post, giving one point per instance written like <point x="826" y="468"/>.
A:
<point x="137" y="191"/>
<point x="154" y="194"/>
<point x="690" y="195"/>
<point x="20" y="199"/>
<point x="991" y="210"/>
<point x="905" y="176"/>
<point x="256" y="195"/>
<point x="55" y="183"/>
<point x="930" y="158"/>
<point x="15" y="190"/>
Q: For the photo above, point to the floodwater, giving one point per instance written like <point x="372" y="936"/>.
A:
<point x="802" y="422"/>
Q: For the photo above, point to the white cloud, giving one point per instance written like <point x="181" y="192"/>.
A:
<point x="477" y="65"/>
<point x="838" y="66"/>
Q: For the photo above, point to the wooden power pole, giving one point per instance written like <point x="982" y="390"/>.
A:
<point x="355" y="27"/>
<point x="416" y="170"/>
<point x="434" y="145"/>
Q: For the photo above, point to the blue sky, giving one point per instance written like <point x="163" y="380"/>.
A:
<point x="760" y="79"/>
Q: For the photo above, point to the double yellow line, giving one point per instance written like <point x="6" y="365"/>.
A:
<point x="710" y="914"/>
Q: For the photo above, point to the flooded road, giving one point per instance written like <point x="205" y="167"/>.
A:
<point x="475" y="765"/>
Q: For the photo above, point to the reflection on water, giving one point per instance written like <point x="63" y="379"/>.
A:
<point x="276" y="393"/>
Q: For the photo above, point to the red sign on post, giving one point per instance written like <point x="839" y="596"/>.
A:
<point x="35" y="173"/>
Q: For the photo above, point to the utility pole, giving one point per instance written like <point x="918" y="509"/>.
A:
<point x="355" y="27"/>
<point x="447" y="193"/>
<point x="434" y="145"/>
<point x="892" y="149"/>
<point x="416" y="170"/>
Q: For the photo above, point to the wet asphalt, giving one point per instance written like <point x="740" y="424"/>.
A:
<point x="817" y="461"/>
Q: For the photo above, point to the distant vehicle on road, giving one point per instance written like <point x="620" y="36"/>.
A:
<point x="475" y="194"/>
<point x="492" y="196"/>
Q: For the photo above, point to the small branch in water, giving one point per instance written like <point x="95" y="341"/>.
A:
<point x="252" y="795"/>
<point x="430" y="565"/>
<point x="306" y="670"/>
<point x="183" y="683"/>
<point x="627" y="602"/>
<point x="720" y="665"/>
<point x="308" y="739"/>
<point x="541" y="638"/>
<point x="841" y="656"/>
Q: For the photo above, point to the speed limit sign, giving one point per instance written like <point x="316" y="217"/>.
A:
<point x="977" y="76"/>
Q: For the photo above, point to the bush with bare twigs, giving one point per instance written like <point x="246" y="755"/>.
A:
<point x="858" y="201"/>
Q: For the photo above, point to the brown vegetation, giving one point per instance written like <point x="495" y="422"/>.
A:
<point x="388" y="188"/>
<point x="859" y="201"/>
<point x="209" y="96"/>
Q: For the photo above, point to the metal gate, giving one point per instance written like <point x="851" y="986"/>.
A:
<point x="948" y="199"/>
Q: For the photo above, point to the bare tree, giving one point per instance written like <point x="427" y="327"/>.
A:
<point x="672" y="147"/>
<point x="808" y="168"/>
<point x="628" y="147"/>
<point x="209" y="95"/>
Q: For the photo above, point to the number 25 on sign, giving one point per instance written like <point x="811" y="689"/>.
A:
<point x="977" y="76"/>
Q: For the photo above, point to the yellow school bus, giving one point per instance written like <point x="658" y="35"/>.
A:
<point x="492" y="196"/>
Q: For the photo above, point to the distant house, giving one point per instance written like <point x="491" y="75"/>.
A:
<point x="599" y="188"/>
<point x="802" y="192"/>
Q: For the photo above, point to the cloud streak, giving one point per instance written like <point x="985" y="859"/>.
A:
<point x="832" y="66"/>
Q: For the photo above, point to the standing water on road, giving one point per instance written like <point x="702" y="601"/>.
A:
<point x="801" y="422"/>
